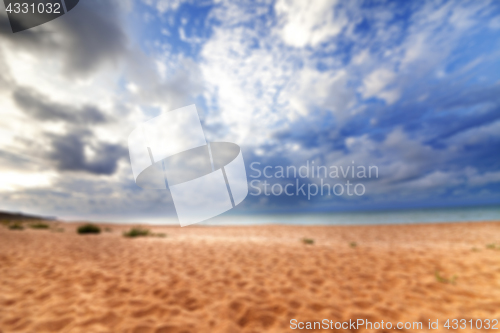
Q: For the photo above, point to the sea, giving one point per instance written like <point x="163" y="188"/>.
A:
<point x="399" y="216"/>
<point x="365" y="217"/>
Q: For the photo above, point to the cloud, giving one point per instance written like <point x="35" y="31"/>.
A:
<point x="478" y="133"/>
<point x="5" y="76"/>
<point x="85" y="39"/>
<point x="18" y="162"/>
<point x="15" y="180"/>
<point x="375" y="85"/>
<point x="41" y="108"/>
<point x="323" y="90"/>
<point x="436" y="28"/>
<point x="484" y="179"/>
<point x="394" y="60"/>
<point x="409" y="87"/>
<point x="309" y="23"/>
<point x="399" y="157"/>
<point x="164" y="5"/>
<point x="242" y="83"/>
<point x="178" y="88"/>
<point x="69" y="153"/>
<point x="256" y="85"/>
<point x="93" y="36"/>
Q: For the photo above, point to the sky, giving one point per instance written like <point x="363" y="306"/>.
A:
<point x="411" y="87"/>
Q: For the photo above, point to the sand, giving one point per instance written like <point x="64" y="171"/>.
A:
<point x="247" y="279"/>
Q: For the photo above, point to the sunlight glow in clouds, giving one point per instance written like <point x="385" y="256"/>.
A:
<point x="309" y="23"/>
<point x="15" y="181"/>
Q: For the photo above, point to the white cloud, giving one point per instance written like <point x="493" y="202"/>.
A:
<point x="324" y="90"/>
<point x="495" y="23"/>
<point x="435" y="30"/>
<point x="254" y="85"/>
<point x="15" y="181"/>
<point x="309" y="23"/>
<point x="376" y="83"/>
<point x="191" y="40"/>
<point x="258" y="78"/>
<point x="242" y="84"/>
<point x="406" y="166"/>
<point x="484" y="179"/>
<point x="164" y="5"/>
<point x="476" y="135"/>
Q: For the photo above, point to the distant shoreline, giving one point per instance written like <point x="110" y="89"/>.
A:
<point x="358" y="218"/>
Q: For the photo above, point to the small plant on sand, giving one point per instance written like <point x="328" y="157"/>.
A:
<point x="58" y="230"/>
<point x="441" y="279"/>
<point x="159" y="234"/>
<point x="39" y="225"/>
<point x="16" y="226"/>
<point x="137" y="232"/>
<point x="89" y="229"/>
<point x="108" y="229"/>
<point x="475" y="249"/>
<point x="308" y="241"/>
<point x="492" y="246"/>
<point x="353" y="244"/>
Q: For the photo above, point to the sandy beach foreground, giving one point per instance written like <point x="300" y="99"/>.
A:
<point x="248" y="279"/>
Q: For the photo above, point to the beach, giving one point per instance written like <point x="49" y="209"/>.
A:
<point x="249" y="278"/>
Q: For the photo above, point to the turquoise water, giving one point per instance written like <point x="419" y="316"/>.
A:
<point x="366" y="217"/>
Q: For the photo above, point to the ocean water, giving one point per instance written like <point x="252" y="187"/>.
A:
<point x="428" y="215"/>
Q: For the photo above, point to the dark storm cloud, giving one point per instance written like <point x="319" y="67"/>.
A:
<point x="93" y="36"/>
<point x="86" y="38"/>
<point x="41" y="108"/>
<point x="38" y="39"/>
<point x="68" y="154"/>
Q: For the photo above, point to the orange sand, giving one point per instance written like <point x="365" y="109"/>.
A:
<point x="246" y="279"/>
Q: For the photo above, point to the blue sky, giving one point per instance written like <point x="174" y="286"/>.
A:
<point x="412" y="87"/>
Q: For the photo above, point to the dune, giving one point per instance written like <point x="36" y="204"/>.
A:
<point x="248" y="278"/>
